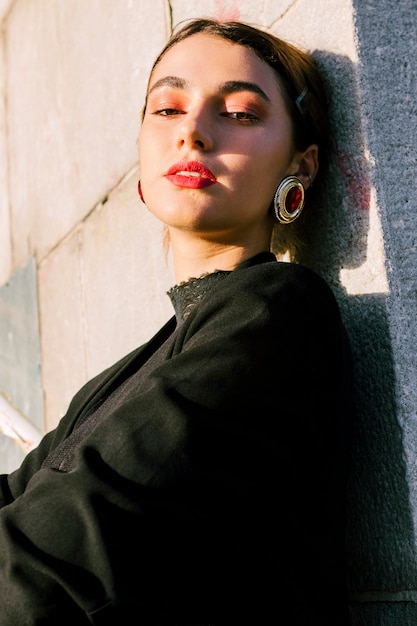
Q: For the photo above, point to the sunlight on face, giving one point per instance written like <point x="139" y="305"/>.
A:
<point x="216" y="139"/>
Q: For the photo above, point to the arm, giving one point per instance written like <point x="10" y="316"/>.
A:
<point x="14" y="485"/>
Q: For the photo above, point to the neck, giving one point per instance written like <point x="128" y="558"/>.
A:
<point x="193" y="257"/>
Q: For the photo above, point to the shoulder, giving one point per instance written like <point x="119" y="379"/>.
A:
<point x="275" y="286"/>
<point x="276" y="305"/>
<point x="276" y="275"/>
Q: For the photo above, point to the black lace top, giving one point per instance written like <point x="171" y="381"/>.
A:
<point x="187" y="294"/>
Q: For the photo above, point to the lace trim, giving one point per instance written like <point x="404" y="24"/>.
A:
<point x="187" y="294"/>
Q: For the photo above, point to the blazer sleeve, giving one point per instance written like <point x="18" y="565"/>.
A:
<point x="14" y="484"/>
<point x="241" y="415"/>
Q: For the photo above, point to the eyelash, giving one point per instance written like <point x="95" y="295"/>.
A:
<point x="239" y="116"/>
<point x="166" y="112"/>
<point x="242" y="117"/>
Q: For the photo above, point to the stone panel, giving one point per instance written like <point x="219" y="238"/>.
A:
<point x="125" y="277"/>
<point x="20" y="375"/>
<point x="76" y="82"/>
<point x="62" y="327"/>
<point x="4" y="8"/>
<point x="5" y="235"/>
<point x="102" y="293"/>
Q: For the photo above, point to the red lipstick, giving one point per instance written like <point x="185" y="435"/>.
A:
<point x="190" y="174"/>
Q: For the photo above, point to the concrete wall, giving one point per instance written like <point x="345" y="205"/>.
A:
<point x="82" y="262"/>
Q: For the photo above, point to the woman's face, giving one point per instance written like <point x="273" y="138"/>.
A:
<point x="215" y="140"/>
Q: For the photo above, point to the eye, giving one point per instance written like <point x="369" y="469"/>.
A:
<point x="167" y="112"/>
<point x="244" y="117"/>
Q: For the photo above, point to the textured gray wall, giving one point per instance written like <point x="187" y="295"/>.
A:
<point x="384" y="473"/>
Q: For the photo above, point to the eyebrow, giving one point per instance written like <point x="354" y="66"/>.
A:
<point x="230" y="86"/>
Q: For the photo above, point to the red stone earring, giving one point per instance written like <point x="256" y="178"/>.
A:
<point x="288" y="200"/>
<point x="140" y="192"/>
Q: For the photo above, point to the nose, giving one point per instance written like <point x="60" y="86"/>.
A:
<point x="195" y="132"/>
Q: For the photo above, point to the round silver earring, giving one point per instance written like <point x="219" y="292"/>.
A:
<point x="289" y="199"/>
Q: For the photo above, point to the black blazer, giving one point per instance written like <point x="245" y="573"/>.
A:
<point x="200" y="480"/>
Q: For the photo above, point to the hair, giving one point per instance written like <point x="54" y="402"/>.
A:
<point x="301" y="87"/>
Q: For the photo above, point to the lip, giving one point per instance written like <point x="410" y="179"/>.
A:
<point x="190" y="174"/>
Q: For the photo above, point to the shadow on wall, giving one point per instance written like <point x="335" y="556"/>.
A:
<point x="380" y="534"/>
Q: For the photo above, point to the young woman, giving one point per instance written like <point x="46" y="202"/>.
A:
<point x="200" y="480"/>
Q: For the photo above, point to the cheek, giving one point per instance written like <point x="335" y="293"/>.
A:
<point x="265" y="171"/>
<point x="147" y="158"/>
<point x="277" y="165"/>
<point x="147" y="138"/>
<point x="142" y="144"/>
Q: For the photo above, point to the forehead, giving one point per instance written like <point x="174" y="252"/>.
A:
<point x="210" y="59"/>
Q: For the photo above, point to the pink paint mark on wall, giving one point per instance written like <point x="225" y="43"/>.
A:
<point x="227" y="11"/>
<point x="356" y="175"/>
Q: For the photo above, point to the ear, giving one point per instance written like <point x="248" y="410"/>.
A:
<point x="306" y="164"/>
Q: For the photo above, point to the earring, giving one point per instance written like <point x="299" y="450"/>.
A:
<point x="288" y="200"/>
<point x="140" y="192"/>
